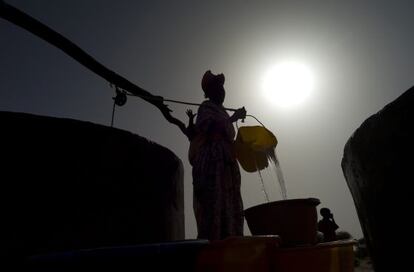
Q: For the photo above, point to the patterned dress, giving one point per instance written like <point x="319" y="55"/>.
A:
<point x="217" y="201"/>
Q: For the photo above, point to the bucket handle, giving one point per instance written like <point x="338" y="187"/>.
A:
<point x="249" y="115"/>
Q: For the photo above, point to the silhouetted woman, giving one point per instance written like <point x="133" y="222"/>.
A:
<point x="217" y="199"/>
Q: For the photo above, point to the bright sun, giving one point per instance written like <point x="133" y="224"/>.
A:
<point x="287" y="84"/>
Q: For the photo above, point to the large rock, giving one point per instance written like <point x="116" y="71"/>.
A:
<point x="68" y="184"/>
<point x="378" y="165"/>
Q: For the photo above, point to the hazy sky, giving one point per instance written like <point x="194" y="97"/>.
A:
<point x="360" y="53"/>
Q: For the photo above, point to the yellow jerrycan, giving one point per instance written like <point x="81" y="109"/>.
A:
<point x="253" y="143"/>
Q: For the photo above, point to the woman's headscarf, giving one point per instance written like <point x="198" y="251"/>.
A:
<point x="210" y="82"/>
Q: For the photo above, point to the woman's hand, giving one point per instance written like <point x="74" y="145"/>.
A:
<point x="238" y="114"/>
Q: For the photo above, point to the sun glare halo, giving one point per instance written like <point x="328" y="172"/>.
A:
<point x="287" y="84"/>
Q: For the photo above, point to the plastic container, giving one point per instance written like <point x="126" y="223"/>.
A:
<point x="325" y="257"/>
<point x="294" y="220"/>
<point x="241" y="254"/>
<point x="252" y="145"/>
<point x="263" y="254"/>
